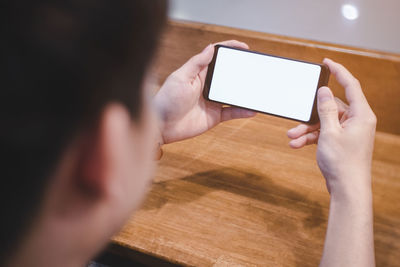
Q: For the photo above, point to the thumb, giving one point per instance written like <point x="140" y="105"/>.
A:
<point x="194" y="65"/>
<point x="327" y="109"/>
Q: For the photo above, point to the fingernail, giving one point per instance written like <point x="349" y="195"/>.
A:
<point x="324" y="94"/>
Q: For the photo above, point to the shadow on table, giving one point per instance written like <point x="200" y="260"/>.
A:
<point x="246" y="184"/>
<point x="249" y="185"/>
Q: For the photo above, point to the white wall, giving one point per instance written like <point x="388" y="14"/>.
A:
<point x="377" y="27"/>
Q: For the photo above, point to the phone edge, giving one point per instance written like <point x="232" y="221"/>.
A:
<point x="323" y="81"/>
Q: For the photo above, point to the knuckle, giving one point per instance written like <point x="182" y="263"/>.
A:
<point x="356" y="82"/>
<point x="194" y="59"/>
<point x="375" y="118"/>
<point x="372" y="119"/>
<point x="368" y="122"/>
<point x="328" y="109"/>
<point x="174" y="75"/>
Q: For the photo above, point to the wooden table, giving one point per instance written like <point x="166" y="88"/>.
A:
<point x="239" y="196"/>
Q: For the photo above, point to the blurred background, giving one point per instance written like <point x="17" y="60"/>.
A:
<point x="159" y="233"/>
<point x="369" y="24"/>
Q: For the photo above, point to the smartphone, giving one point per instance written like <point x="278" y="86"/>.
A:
<point x="265" y="83"/>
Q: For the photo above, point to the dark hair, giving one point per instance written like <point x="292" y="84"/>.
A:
<point x="61" y="63"/>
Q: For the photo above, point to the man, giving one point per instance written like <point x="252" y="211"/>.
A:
<point x="79" y="131"/>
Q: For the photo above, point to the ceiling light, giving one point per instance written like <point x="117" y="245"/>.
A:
<point x="350" y="12"/>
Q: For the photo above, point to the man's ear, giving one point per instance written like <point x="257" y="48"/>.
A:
<point x="102" y="149"/>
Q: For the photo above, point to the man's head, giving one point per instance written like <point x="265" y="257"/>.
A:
<point x="76" y="136"/>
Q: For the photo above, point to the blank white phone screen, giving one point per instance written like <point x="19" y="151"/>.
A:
<point x="269" y="84"/>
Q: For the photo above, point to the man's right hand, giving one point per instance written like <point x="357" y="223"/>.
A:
<point x="345" y="135"/>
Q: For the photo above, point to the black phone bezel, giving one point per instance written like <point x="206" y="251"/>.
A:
<point x="323" y="81"/>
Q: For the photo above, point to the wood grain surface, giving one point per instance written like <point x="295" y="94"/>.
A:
<point x="378" y="72"/>
<point x="238" y="195"/>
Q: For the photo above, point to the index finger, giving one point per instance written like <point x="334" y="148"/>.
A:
<point x="200" y="61"/>
<point x="197" y="63"/>
<point x="233" y="43"/>
<point x="354" y="93"/>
